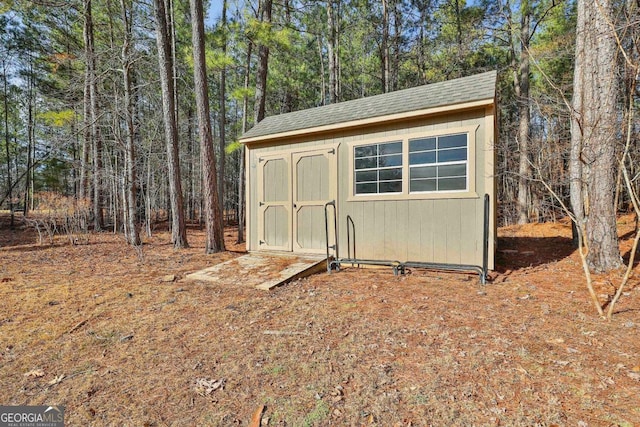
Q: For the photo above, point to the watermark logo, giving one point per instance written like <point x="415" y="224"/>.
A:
<point x="31" y="416"/>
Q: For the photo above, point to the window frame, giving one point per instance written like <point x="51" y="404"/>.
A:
<point x="437" y="163"/>
<point x="405" y="194"/>
<point x="378" y="169"/>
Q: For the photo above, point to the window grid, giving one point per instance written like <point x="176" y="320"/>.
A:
<point x="438" y="164"/>
<point x="378" y="168"/>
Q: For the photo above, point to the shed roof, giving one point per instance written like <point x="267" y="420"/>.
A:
<point x="448" y="93"/>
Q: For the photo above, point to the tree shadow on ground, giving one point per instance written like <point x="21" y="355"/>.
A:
<point x="515" y="253"/>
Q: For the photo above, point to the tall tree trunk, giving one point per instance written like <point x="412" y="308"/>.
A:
<point x="147" y="194"/>
<point x="86" y="104"/>
<point x="30" y="138"/>
<point x="83" y="191"/>
<point x="521" y="80"/>
<point x="323" y="84"/>
<point x="6" y="139"/>
<point x="332" y="52"/>
<point x="214" y="239"/>
<point x="458" y="59"/>
<point x="593" y="134"/>
<point x="222" y="115"/>
<point x="165" y="63"/>
<point x="171" y="31"/>
<point x="384" y="47"/>
<point x="98" y="218"/>
<point x="263" y="61"/>
<point x="129" y="184"/>
<point x="191" y="202"/>
<point x="96" y="140"/>
<point x="245" y="126"/>
<point x="397" y="41"/>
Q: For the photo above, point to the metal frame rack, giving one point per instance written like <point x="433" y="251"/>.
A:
<point x="335" y="261"/>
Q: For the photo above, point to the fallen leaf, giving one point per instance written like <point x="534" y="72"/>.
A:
<point x="257" y="417"/>
<point x="206" y="386"/>
<point x="35" y="373"/>
<point x="56" y="380"/>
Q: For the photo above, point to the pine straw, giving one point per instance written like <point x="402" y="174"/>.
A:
<point x="358" y="347"/>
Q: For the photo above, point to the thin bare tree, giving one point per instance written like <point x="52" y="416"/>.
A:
<point x="222" y="99"/>
<point x="521" y="84"/>
<point x="214" y="239"/>
<point x="130" y="180"/>
<point x="165" y="62"/>
<point x="263" y="61"/>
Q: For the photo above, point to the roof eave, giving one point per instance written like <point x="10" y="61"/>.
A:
<point x="372" y="120"/>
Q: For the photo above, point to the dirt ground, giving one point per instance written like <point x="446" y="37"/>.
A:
<point x="106" y="331"/>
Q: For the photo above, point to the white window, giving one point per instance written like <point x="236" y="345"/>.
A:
<point x="438" y="163"/>
<point x="430" y="166"/>
<point x="378" y="168"/>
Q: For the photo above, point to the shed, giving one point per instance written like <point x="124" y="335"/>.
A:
<point x="398" y="177"/>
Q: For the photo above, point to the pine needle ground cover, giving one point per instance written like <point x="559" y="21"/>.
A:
<point x="120" y="338"/>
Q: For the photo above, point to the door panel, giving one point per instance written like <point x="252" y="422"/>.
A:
<point x="314" y="184"/>
<point x="312" y="180"/>
<point x="310" y="228"/>
<point x="274" y="202"/>
<point x="276" y="227"/>
<point x="276" y="175"/>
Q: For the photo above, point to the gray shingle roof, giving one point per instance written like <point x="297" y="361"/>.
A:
<point x="466" y="89"/>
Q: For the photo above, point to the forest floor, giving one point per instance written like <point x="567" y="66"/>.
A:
<point x="120" y="338"/>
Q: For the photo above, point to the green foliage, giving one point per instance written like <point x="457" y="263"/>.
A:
<point x="186" y="53"/>
<point x="233" y="147"/>
<point x="264" y="33"/>
<point x="239" y="93"/>
<point x="552" y="49"/>
<point x="57" y="118"/>
<point x="216" y="60"/>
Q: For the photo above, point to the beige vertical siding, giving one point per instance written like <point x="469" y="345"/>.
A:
<point x="423" y="230"/>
